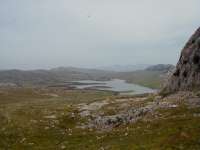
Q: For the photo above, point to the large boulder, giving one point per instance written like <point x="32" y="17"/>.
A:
<point x="186" y="75"/>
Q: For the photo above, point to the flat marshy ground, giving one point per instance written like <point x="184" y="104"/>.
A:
<point x="54" y="118"/>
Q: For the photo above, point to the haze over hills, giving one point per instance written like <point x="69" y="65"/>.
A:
<point x="125" y="68"/>
<point x="161" y="67"/>
<point x="52" y="76"/>
<point x="53" y="117"/>
<point x="60" y="75"/>
<point x="99" y="75"/>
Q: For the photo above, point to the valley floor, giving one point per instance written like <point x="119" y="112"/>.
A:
<point x="55" y="118"/>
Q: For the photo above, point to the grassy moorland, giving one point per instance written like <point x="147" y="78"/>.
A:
<point x="49" y="119"/>
<point x="152" y="79"/>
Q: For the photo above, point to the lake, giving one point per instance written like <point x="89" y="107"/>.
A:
<point x="115" y="85"/>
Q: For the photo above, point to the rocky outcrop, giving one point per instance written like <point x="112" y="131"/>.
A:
<point x="186" y="76"/>
<point x="133" y="115"/>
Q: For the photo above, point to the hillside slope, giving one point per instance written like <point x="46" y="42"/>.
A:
<point x="53" y="76"/>
<point x="151" y="77"/>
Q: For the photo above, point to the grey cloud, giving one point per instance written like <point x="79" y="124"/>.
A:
<point x="87" y="33"/>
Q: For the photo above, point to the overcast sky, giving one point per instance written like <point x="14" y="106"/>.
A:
<point x="90" y="33"/>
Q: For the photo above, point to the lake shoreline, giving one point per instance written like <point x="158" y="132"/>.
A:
<point x="114" y="85"/>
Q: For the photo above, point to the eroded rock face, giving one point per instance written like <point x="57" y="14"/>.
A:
<point x="186" y="76"/>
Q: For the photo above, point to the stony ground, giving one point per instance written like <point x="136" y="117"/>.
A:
<point x="49" y="119"/>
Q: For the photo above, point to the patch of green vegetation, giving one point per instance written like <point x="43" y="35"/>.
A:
<point x="41" y="118"/>
<point x="86" y="96"/>
<point x="150" y="98"/>
<point x="18" y="95"/>
<point x="145" y="78"/>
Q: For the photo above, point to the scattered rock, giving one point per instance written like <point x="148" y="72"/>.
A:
<point x="50" y="117"/>
<point x="22" y="141"/>
<point x="46" y="128"/>
<point x="196" y="115"/>
<point x="63" y="147"/>
<point x="126" y="134"/>
<point x="108" y="122"/>
<point x="85" y="113"/>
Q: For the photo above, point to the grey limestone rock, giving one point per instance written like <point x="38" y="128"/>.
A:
<point x="186" y="76"/>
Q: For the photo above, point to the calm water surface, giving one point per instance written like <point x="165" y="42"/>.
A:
<point x="116" y="85"/>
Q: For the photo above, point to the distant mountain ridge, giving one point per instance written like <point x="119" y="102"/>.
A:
<point x="52" y="76"/>
<point x="124" y="68"/>
<point x="161" y="67"/>
<point x="151" y="77"/>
